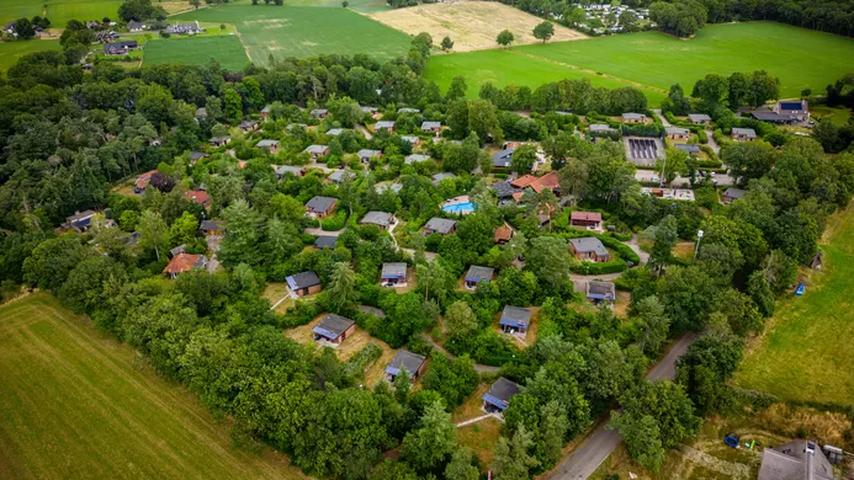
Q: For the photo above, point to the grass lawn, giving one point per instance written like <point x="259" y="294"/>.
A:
<point x="837" y="115"/>
<point x="225" y="49"/>
<point x="11" y="51"/>
<point x="76" y="404"/>
<point x="805" y="353"/>
<point x="653" y="61"/>
<point x="292" y="31"/>
<point x="365" y="6"/>
<point x="59" y="12"/>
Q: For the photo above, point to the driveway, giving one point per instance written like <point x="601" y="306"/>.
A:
<point x="712" y="143"/>
<point x="319" y="232"/>
<point x="596" y="448"/>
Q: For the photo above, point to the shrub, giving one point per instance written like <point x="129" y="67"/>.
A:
<point x="335" y="222"/>
<point x="592" y="268"/>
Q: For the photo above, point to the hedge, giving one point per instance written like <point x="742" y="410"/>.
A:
<point x="594" y="268"/>
<point x="362" y="359"/>
<point x="335" y="222"/>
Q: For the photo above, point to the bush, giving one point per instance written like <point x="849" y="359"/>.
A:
<point x="362" y="359"/>
<point x="701" y="135"/>
<point x="335" y="222"/>
<point x="593" y="268"/>
<point x="302" y="313"/>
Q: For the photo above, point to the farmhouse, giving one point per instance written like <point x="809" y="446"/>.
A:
<point x="384" y="126"/>
<point x="598" y="291"/>
<point x="319" y="113"/>
<point x="80" y="221"/>
<point x="412" y="363"/>
<point x="589" y="248"/>
<point x="319" y="206"/>
<point x="732" y="194"/>
<point x="477" y="274"/>
<point x="632" y="117"/>
<point x="366" y="155"/>
<point x="797" y="460"/>
<point x="184" y="262"/>
<point x="743" y="134"/>
<point x="304" y="283"/>
<point x="502" y="159"/>
<point x="316" y="151"/>
<point x="415" y="158"/>
<point x="497" y="398"/>
<point x="441" y="226"/>
<point x="431" y="127"/>
<point x="271" y="146"/>
<point x="784" y="112"/>
<point x="199" y="197"/>
<point x="591" y="220"/>
<point x="333" y="329"/>
<point x="282" y="170"/>
<point x="503" y="234"/>
<point x="120" y="48"/>
<point x="514" y="320"/>
<point x="383" y="220"/>
<point x="324" y="242"/>
<point x="699" y="118"/>
<point x="677" y="133"/>
<point x="393" y="274"/>
<point x="184" y="29"/>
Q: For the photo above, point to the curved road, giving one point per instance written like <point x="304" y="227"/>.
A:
<point x="587" y="457"/>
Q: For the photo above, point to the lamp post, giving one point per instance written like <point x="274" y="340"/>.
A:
<point x="697" y="247"/>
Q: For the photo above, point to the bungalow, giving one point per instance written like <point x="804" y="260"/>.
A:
<point x="732" y="194"/>
<point x="411" y="139"/>
<point x="316" y="151"/>
<point x="369" y="110"/>
<point x="282" y="170"/>
<point x="591" y="220"/>
<point x="304" y="283"/>
<point x="199" y="197"/>
<point x="797" y="460"/>
<point x="598" y="291"/>
<point x="340" y="175"/>
<point x="699" y="118"/>
<point x="438" y="177"/>
<point x="265" y="112"/>
<point x="319" y="206"/>
<point x="184" y="262"/>
<point x="196" y="156"/>
<point x="502" y="159"/>
<point x="384" y="125"/>
<point x="503" y="190"/>
<point x="120" y="48"/>
<point x="412" y="363"/>
<point x="366" y="155"/>
<point x="271" y="146"/>
<point x="248" y="126"/>
<point x="503" y="234"/>
<point x="334" y="132"/>
<point x="408" y="110"/>
<point x="333" y="329"/>
<point x="514" y="320"/>
<point x="184" y="29"/>
<point x="441" y="226"/>
<point x="743" y="134"/>
<point x="589" y="248"/>
<point x="600" y="129"/>
<point x="677" y="133"/>
<point x="80" y="221"/>
<point x="220" y="141"/>
<point x="319" y="113"/>
<point x="211" y="228"/>
<point x="431" y="127"/>
<point x="393" y="275"/>
<point x="325" y="242"/>
<point x="497" y="398"/>
<point x="689" y="148"/>
<point x="415" y="158"/>
<point x="549" y="181"/>
<point x="384" y="220"/>
<point x="477" y="274"/>
<point x="632" y="117"/>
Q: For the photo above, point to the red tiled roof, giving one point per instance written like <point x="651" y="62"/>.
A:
<point x="503" y="233"/>
<point x="143" y="180"/>
<point x="199" y="197"/>
<point x="549" y="181"/>
<point x="586" y="216"/>
<point x="183" y="262"/>
<point x="523" y="181"/>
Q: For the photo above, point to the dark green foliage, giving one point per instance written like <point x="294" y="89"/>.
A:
<point x="454" y="379"/>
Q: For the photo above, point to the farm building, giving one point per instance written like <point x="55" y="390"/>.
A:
<point x="784" y="111"/>
<point x="514" y="319"/>
<point x="743" y="134"/>
<point x="477" y="274"/>
<point x="677" y="133"/>
<point x="383" y="220"/>
<point x="598" y="291"/>
<point x="80" y="221"/>
<point x="316" y="151"/>
<point x="441" y="226"/>
<point x="797" y="460"/>
<point x="699" y="118"/>
<point x="589" y="248"/>
<point x="184" y="29"/>
<point x="319" y="206"/>
<point x="324" y="242"/>
<point x="333" y="329"/>
<point x="366" y="155"/>
<point x="407" y="361"/>
<point x="497" y="398"/>
<point x="304" y="283"/>
<point x="184" y="262"/>
<point x="271" y="146"/>
<point x="393" y="274"/>
<point x="591" y="220"/>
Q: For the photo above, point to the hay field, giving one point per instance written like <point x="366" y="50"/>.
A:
<point x="472" y="25"/>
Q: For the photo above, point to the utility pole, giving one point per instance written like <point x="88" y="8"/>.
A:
<point x="697" y="247"/>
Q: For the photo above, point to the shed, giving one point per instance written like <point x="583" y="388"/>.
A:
<point x="333" y="329"/>
<point x="599" y="291"/>
<point x="497" y="398"/>
<point x="514" y="319"/>
<point x="304" y="283"/>
<point x="407" y="361"/>
<point x="393" y="274"/>
<point x="477" y="274"/>
<point x="324" y="242"/>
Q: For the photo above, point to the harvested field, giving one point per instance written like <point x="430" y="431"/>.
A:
<point x="471" y="25"/>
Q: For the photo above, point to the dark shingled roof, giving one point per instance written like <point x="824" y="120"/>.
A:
<point x="598" y="290"/>
<point x="331" y="326"/>
<point x="734" y="193"/>
<point x="588" y="244"/>
<point x="479" y="274"/>
<point x="504" y="189"/>
<point x="302" y="280"/>
<point x="320" y="204"/>
<point x="503" y="389"/>
<point x="515" y="317"/>
<point x="323" y="242"/>
<point x="393" y="270"/>
<point x="405" y="360"/>
<point x="383" y="219"/>
<point x="440" y="225"/>
<point x="797" y="460"/>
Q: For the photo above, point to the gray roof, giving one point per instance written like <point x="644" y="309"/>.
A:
<point x="374" y="217"/>
<point x="601" y="290"/>
<point x="428" y="125"/>
<point x="688" y="147"/>
<point x="369" y="310"/>
<point x="746" y="132"/>
<point x="334" y="132"/>
<point x="699" y="117"/>
<point x="633" y="116"/>
<point x="503" y="189"/>
<point x="333" y="324"/>
<point x="384" y="124"/>
<point x="502" y="158"/>
<point x="321" y="204"/>
<point x="338" y="176"/>
<point x="515" y="315"/>
<point x="676" y="131"/>
<point x="438" y="177"/>
<point x="734" y="193"/>
<point x="503" y="389"/>
<point x="198" y="155"/>
<point x="393" y="270"/>
<point x="322" y="242"/>
<point x="797" y="460"/>
<point x="209" y="225"/>
<point x="368" y="153"/>
<point x="281" y="170"/>
<point x="588" y="244"/>
<point x="408" y="110"/>
<point x="319" y="112"/>
<point x="316" y="149"/>
<point x="478" y="274"/>
<point x="416" y="158"/>
<point x="405" y="360"/>
<point x="409" y="139"/>
<point x="440" y="225"/>
<point x="302" y="280"/>
<point x="267" y="143"/>
<point x="601" y="127"/>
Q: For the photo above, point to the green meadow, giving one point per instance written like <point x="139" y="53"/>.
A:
<point x="225" y="49"/>
<point x="805" y="354"/>
<point x="59" y="12"/>
<point x="295" y="31"/>
<point x="653" y="61"/>
<point x="11" y="51"/>
<point x="76" y="404"/>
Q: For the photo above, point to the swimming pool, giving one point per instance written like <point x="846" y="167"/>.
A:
<point x="462" y="208"/>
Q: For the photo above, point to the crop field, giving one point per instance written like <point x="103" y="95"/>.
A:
<point x="281" y="32"/>
<point x="11" y="51"/>
<point x="470" y="24"/>
<point x="59" y="12"/>
<point x="805" y="354"/>
<point x="653" y="61"/>
<point x="76" y="404"/>
<point x="226" y="49"/>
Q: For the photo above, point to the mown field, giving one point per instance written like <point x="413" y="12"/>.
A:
<point x="805" y="354"/>
<point x="291" y="31"/>
<point x="226" y="49"/>
<point x="59" y="12"/>
<point x="653" y="61"/>
<point x="75" y="404"/>
<point x="11" y="51"/>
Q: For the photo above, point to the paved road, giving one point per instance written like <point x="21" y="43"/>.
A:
<point x="587" y="457"/>
<point x="712" y="143"/>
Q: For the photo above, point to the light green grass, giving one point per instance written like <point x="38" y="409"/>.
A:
<point x="287" y="31"/>
<point x="10" y="52"/>
<point x="75" y="404"/>
<point x="653" y="61"/>
<point x="805" y="354"/>
<point x="366" y="6"/>
<point x="227" y="50"/>
<point x="837" y="115"/>
<point x="59" y="12"/>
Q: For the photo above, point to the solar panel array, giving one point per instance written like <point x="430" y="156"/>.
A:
<point x="643" y="148"/>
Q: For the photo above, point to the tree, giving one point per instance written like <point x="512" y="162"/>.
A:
<point x="629" y="21"/>
<point x="460" y="321"/>
<point x="428" y="446"/>
<point x="711" y="89"/>
<point x="549" y="259"/>
<point x="139" y="10"/>
<point x="513" y="460"/>
<point x="153" y="234"/>
<point x="447" y="44"/>
<point x="523" y="159"/>
<point x="642" y="437"/>
<point x="460" y="466"/>
<point x="552" y="430"/>
<point x="233" y="108"/>
<point x="653" y="323"/>
<point x="52" y="260"/>
<point x="457" y="89"/>
<point x="86" y="288"/>
<point x="748" y="159"/>
<point x="454" y="379"/>
<point x="24" y="29"/>
<point x="682" y="18"/>
<point x="505" y="38"/>
<point x="342" y="287"/>
<point x="544" y="31"/>
<point x="666" y="234"/>
<point x="183" y="230"/>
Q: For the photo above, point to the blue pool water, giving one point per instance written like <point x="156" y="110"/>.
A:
<point x="460" y="208"/>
